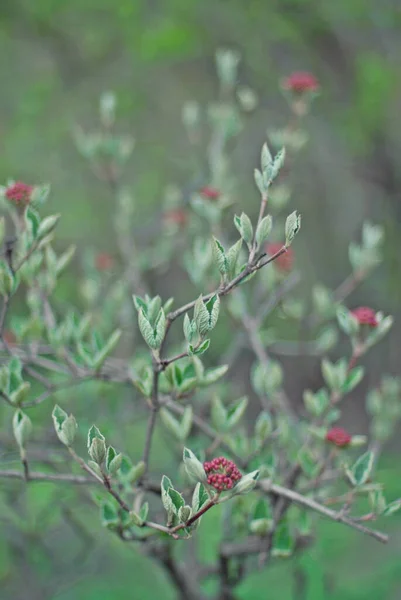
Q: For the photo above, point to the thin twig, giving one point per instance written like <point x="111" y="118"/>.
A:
<point x="267" y="486"/>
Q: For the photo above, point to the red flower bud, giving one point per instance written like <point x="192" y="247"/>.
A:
<point x="285" y="261"/>
<point x="365" y="316"/>
<point x="300" y="82"/>
<point x="222" y="474"/>
<point x="9" y="337"/>
<point x="339" y="437"/>
<point x="176" y="216"/>
<point x="104" y="262"/>
<point x="19" y="193"/>
<point x="209" y="192"/>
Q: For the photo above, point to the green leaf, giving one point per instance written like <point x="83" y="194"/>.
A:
<point x="160" y="328"/>
<point x="277" y="164"/>
<point x="171" y="423"/>
<point x="283" y="541"/>
<point x="64" y="425"/>
<point x="244" y="226"/>
<point x="362" y="469"/>
<point x="213" y="375"/>
<point x="316" y="403"/>
<point x="113" y="461"/>
<point x="263" y="427"/>
<point x="59" y="416"/>
<point x="186" y="422"/>
<point x="392" y="508"/>
<point x="260" y="182"/>
<point x="22" y="428"/>
<point x="346" y="321"/>
<point x="33" y="219"/>
<point x="199" y="497"/>
<point x="354" y="377"/>
<point x="176" y="499"/>
<point x="47" y="225"/>
<point x="236" y="411"/>
<point x="140" y="304"/>
<point x="143" y="513"/>
<point x="292" y="226"/>
<point x="219" y="256"/>
<point x="201" y="316"/>
<point x="199" y="349"/>
<point x="146" y="330"/>
<point x="308" y="462"/>
<point x="184" y="514"/>
<point x="107" y="349"/>
<point x="193" y="466"/>
<point x="232" y="257"/>
<point x="213" y="307"/>
<point x="109" y="515"/>
<point x="218" y="414"/>
<point x="190" y="329"/>
<point x="247" y="483"/>
<point x="263" y="230"/>
<point x="92" y="434"/>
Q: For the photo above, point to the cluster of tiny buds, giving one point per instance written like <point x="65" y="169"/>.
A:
<point x="339" y="437"/>
<point x="365" y="316"/>
<point x="19" y="193"/>
<point x="222" y="473"/>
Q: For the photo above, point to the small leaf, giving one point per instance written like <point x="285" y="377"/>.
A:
<point x="92" y="434"/>
<point x="199" y="349"/>
<point x="201" y="316"/>
<point x="176" y="499"/>
<point x="236" y="411"/>
<point x="263" y="427"/>
<point x="260" y="182"/>
<point x="354" y="377"/>
<point x="199" y="497"/>
<point x="362" y="468"/>
<point x="213" y="307"/>
<point x="392" y="508"/>
<point x="109" y="515"/>
<point x="247" y="483"/>
<point x="263" y="230"/>
<point x="283" y="541"/>
<point x="292" y="226"/>
<point x="213" y="375"/>
<point x="113" y="461"/>
<point x="193" y="466"/>
<point x="218" y="414"/>
<point x="219" y="256"/>
<point x="171" y="423"/>
<point x="347" y="321"/>
<point x="232" y="257"/>
<point x="22" y="428"/>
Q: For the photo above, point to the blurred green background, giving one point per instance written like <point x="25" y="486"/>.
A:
<point x="55" y="59"/>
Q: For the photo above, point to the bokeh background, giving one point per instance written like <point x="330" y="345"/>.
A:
<point x="55" y="60"/>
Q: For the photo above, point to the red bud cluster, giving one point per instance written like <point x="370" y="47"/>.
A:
<point x="285" y="261"/>
<point x="365" y="316"/>
<point x="222" y="473"/>
<point x="339" y="437"/>
<point x="300" y="82"/>
<point x="209" y="192"/>
<point x="19" y="193"/>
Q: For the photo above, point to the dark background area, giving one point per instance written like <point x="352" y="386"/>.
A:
<point x="55" y="60"/>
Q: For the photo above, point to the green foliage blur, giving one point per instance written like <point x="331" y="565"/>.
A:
<point x="55" y="60"/>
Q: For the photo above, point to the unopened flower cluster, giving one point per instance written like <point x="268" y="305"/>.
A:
<point x="19" y="193"/>
<point x="339" y="437"/>
<point x="365" y="316"/>
<point x="222" y="473"/>
<point x="300" y="82"/>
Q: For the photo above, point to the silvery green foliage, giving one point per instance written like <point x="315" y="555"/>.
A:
<point x="188" y="377"/>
